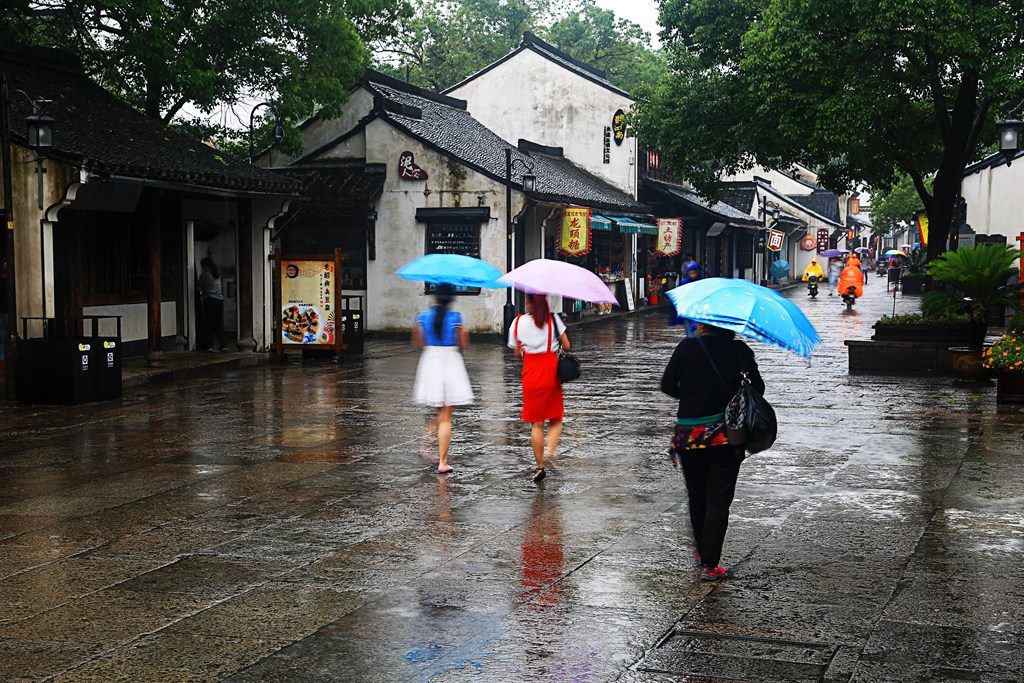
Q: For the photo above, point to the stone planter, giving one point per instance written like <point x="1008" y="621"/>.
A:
<point x="898" y="358"/>
<point x="967" y="363"/>
<point x="951" y="335"/>
<point x="1009" y="386"/>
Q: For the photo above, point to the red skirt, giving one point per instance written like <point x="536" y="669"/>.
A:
<point x="542" y="392"/>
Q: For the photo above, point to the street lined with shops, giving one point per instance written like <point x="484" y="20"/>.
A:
<point x="286" y="523"/>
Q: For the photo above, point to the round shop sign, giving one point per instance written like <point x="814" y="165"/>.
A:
<point x="808" y="243"/>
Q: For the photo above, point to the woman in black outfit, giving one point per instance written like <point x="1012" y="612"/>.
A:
<point x="704" y="374"/>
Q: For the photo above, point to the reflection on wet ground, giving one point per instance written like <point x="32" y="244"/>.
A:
<point x="287" y="524"/>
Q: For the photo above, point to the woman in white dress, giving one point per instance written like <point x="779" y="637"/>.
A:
<point x="441" y="379"/>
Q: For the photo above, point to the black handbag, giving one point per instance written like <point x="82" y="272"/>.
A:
<point x="750" y="421"/>
<point x="568" y="367"/>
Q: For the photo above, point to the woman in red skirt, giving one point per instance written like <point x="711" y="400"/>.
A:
<point x="535" y="337"/>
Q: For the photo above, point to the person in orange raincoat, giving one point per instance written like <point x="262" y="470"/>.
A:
<point x="852" y="276"/>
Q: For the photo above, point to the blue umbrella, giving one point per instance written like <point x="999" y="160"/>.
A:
<point x="453" y="269"/>
<point x="749" y="310"/>
<point x="779" y="268"/>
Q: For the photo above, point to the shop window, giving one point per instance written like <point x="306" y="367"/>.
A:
<point x="745" y="254"/>
<point x="113" y="257"/>
<point x="454" y="238"/>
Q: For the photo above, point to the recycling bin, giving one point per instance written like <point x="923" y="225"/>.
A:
<point x="67" y="364"/>
<point x="353" y="332"/>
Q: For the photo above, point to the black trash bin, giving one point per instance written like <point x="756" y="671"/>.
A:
<point x="59" y="371"/>
<point x="353" y="332"/>
<point x="68" y="365"/>
<point x="107" y="348"/>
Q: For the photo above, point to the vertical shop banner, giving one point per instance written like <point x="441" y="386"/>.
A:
<point x="308" y="301"/>
<point x="822" y="239"/>
<point x="775" y="240"/>
<point x="922" y="227"/>
<point x="670" y="231"/>
<point x="576" y="238"/>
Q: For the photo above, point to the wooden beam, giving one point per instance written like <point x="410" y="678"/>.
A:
<point x="152" y="218"/>
<point x="245" y="335"/>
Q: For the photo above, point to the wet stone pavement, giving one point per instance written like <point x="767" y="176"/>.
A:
<point x="287" y="524"/>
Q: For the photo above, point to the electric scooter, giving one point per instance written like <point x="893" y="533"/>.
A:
<point x="812" y="286"/>
<point x="850" y="298"/>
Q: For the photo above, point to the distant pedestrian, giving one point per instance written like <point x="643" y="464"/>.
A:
<point x="536" y="338"/>
<point x="212" y="291"/>
<point x="704" y="374"/>
<point x="835" y="267"/>
<point x="441" y="379"/>
<point x="690" y="274"/>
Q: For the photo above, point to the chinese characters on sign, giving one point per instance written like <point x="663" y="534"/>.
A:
<point x="619" y="126"/>
<point x="308" y="303"/>
<point x="575" y="238"/>
<point x="669" y="237"/>
<point x="854" y="207"/>
<point x="822" y="239"/>
<point x="408" y="169"/>
<point x="775" y="239"/>
<point x="607" y="144"/>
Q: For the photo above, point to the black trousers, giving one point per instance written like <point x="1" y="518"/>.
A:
<point x="213" y="314"/>
<point x="711" y="475"/>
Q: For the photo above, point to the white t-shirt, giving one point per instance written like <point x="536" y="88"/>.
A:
<point x="534" y="339"/>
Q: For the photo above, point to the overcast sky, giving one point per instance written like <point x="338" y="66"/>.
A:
<point x="643" y="12"/>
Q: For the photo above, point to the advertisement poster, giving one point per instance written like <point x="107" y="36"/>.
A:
<point x="669" y="236"/>
<point x="308" y="302"/>
<point x="922" y="226"/>
<point x="575" y="238"/>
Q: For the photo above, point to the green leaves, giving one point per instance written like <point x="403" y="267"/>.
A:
<point x="977" y="279"/>
<point x="161" y="55"/>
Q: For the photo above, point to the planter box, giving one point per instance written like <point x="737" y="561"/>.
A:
<point x="951" y="335"/>
<point x="912" y="284"/>
<point x="1009" y="387"/>
<point x="899" y="357"/>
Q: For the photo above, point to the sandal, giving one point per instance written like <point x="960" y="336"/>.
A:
<point x="539" y="475"/>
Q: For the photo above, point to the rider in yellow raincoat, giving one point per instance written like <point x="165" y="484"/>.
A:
<point x="852" y="276"/>
<point x="814" y="269"/>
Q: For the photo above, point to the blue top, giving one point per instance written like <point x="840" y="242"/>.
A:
<point x="449" y="334"/>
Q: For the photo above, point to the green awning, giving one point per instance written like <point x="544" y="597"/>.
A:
<point x="598" y="222"/>
<point x="631" y="225"/>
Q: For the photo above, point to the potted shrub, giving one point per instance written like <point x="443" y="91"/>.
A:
<point x="1006" y="358"/>
<point x="915" y="267"/>
<point x="974" y="280"/>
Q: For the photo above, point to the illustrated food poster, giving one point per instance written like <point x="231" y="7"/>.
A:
<point x="308" y="302"/>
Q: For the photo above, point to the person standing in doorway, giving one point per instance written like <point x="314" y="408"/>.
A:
<point x="3" y="314"/>
<point x="536" y="338"/>
<point x="704" y="374"/>
<point x="441" y="379"/>
<point x="212" y="291"/>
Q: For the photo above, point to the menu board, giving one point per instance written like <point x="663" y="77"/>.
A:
<point x="308" y="302"/>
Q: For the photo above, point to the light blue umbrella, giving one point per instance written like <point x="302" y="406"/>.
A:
<point x="452" y="269"/>
<point x="747" y="309"/>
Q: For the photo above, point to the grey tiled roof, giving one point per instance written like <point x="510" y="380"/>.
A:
<point x="718" y="209"/>
<point x="444" y="124"/>
<point x="821" y="202"/>
<point x="741" y="197"/>
<point x="104" y="135"/>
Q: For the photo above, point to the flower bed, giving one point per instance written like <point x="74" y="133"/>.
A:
<point x="952" y="330"/>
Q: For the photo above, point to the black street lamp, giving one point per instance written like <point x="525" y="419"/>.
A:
<point x="277" y="134"/>
<point x="765" y="209"/>
<point x="529" y="185"/>
<point x="1009" y="132"/>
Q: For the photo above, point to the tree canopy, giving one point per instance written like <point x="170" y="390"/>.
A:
<point x="164" y="55"/>
<point x="864" y="90"/>
<point x="896" y="207"/>
<point x="448" y="40"/>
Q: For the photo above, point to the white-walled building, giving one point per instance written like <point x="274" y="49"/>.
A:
<point x="540" y="93"/>
<point x="992" y="190"/>
<point x="403" y="172"/>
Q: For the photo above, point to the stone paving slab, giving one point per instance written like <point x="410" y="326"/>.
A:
<point x="286" y="523"/>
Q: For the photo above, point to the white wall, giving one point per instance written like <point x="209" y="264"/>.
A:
<point x="393" y="302"/>
<point x="134" y="325"/>
<point x="530" y="97"/>
<point x="994" y="204"/>
<point x="322" y="130"/>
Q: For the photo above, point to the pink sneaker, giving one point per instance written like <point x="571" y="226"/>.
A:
<point x="709" y="574"/>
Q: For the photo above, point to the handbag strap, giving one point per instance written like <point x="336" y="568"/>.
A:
<point x="744" y="380"/>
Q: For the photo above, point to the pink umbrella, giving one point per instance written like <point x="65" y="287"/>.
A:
<point x="544" y="276"/>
